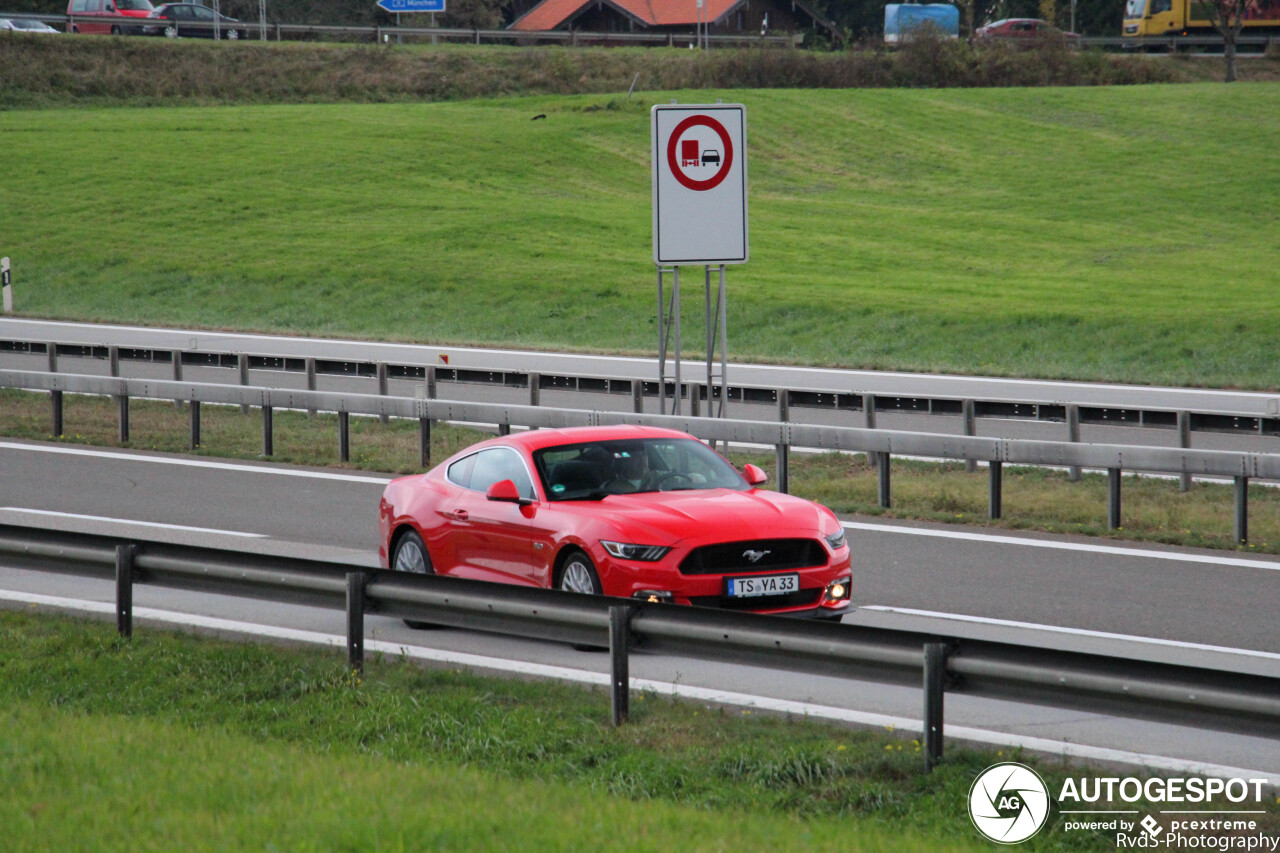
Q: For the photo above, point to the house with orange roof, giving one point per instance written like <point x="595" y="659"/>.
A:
<point x="726" y="17"/>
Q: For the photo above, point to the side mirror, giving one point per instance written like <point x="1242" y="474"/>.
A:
<point x="505" y="491"/>
<point x="755" y="476"/>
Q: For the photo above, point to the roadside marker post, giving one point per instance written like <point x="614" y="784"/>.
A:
<point x="4" y="279"/>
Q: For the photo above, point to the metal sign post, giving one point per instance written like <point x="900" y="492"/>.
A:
<point x="4" y="284"/>
<point x="699" y="218"/>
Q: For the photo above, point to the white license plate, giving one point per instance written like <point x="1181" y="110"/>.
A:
<point x="762" y="585"/>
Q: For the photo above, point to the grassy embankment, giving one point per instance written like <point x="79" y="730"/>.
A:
<point x="177" y="743"/>
<point x="1092" y="233"/>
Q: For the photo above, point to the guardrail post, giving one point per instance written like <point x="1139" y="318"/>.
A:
<point x="970" y="413"/>
<point x="176" y="357"/>
<point x="344" y="436"/>
<point x="620" y="665"/>
<point x="125" y="554"/>
<point x="695" y="399"/>
<point x="869" y="421"/>
<point x="244" y="378"/>
<point x="311" y="382"/>
<point x="1184" y="440"/>
<point x="1113" y="498"/>
<point x="935" y="671"/>
<point x="268" y="439"/>
<point x="355" y="621"/>
<point x="782" y="452"/>
<point x="535" y="389"/>
<point x="882" y="479"/>
<point x="51" y="353"/>
<point x="195" y="424"/>
<point x="113" y="360"/>
<point x="995" y="489"/>
<point x="55" y="397"/>
<point x="504" y="428"/>
<point x="124" y="417"/>
<point x="1073" y="434"/>
<point x="424" y="442"/>
<point x="382" y="389"/>
<point x="1242" y="510"/>
<point x="637" y="396"/>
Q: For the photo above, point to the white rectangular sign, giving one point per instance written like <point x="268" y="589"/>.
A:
<point x="699" y="184"/>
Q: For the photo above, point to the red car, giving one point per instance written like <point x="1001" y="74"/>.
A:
<point x="1026" y="30"/>
<point x="106" y="16"/>
<point x="628" y="511"/>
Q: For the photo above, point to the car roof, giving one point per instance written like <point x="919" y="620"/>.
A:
<point x="539" y="439"/>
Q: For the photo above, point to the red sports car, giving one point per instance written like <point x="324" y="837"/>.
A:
<point x="626" y="511"/>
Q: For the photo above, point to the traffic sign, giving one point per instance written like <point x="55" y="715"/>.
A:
<point x="699" y="184"/>
<point x="412" y="5"/>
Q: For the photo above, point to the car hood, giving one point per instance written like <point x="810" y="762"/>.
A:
<point x="711" y="515"/>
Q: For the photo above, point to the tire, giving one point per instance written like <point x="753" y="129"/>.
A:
<point x="115" y="31"/>
<point x="411" y="557"/>
<point x="579" y="575"/>
<point x="171" y="32"/>
<point x="233" y="35"/>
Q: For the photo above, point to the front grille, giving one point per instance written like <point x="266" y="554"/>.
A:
<point x="799" y="598"/>
<point x="776" y="555"/>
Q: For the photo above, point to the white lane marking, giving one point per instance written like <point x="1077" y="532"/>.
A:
<point x="1079" y="632"/>
<point x="1209" y="559"/>
<point x="192" y="463"/>
<point x="685" y="691"/>
<point x="132" y="522"/>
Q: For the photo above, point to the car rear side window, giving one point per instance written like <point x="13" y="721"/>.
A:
<point x="459" y="473"/>
<point x="498" y="464"/>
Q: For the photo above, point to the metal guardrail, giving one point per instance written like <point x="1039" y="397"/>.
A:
<point x="881" y="445"/>
<point x="959" y="664"/>
<point x="383" y="34"/>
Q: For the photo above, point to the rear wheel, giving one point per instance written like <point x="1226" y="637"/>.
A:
<point x="171" y="32"/>
<point x="115" y="31"/>
<point x="234" y="35"/>
<point x="412" y="558"/>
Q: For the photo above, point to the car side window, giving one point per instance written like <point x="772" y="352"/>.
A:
<point x="202" y="13"/>
<point x="498" y="464"/>
<point x="459" y="473"/>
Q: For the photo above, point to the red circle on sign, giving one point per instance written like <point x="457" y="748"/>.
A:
<point x="672" y="161"/>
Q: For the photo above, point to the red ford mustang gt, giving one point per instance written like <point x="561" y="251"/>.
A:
<point x="627" y="511"/>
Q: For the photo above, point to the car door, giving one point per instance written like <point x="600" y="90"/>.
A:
<point x="491" y="539"/>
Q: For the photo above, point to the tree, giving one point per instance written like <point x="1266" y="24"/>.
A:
<point x="1228" y="18"/>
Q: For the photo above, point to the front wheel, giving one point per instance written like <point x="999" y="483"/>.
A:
<point x="412" y="558"/>
<point x="579" y="575"/>
<point x="171" y="32"/>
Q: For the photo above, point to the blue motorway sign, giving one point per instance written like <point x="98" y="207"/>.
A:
<point x="412" y="5"/>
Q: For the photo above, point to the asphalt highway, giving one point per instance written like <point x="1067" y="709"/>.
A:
<point x="1187" y="605"/>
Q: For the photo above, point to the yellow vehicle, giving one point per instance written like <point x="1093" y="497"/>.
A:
<point x="1191" y="17"/>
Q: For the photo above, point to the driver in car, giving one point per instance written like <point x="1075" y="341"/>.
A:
<point x="630" y="473"/>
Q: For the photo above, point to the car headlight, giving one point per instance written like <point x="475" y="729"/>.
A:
<point x="836" y="540"/>
<point x="641" y="553"/>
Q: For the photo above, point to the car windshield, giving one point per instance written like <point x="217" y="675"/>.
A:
<point x="1135" y="8"/>
<point x="596" y="469"/>
<point x="26" y="24"/>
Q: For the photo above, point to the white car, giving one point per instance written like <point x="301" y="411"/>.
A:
<point x="26" y="25"/>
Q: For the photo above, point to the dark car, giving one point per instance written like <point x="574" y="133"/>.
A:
<point x="191" y="20"/>
<point x="1025" y="31"/>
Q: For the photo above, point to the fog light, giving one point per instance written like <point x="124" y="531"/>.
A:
<point x="838" y="591"/>
<point x="654" y="596"/>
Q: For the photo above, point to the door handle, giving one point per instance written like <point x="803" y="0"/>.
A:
<point x="459" y="515"/>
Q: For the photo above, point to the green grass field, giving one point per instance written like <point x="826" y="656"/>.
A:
<point x="171" y="742"/>
<point x="1125" y="233"/>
